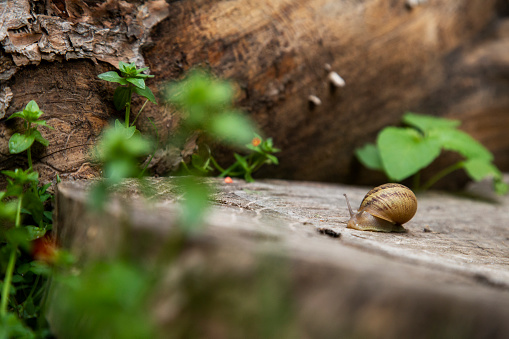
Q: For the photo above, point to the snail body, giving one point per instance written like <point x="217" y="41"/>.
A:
<point x="384" y="209"/>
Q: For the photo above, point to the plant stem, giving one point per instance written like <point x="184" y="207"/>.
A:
<point x="29" y="157"/>
<point x="216" y="165"/>
<point x="10" y="266"/>
<point x="139" y="112"/>
<point x="442" y="174"/>
<point x="128" y="107"/>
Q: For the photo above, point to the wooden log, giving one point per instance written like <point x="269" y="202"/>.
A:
<point x="440" y="57"/>
<point x="446" y="277"/>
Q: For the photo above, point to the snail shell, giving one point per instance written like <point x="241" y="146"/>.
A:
<point x="385" y="209"/>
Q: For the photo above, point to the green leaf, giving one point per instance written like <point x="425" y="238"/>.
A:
<point x="39" y="138"/>
<point x="18" y="236"/>
<point x="22" y="177"/>
<point x="121" y="97"/>
<point x="42" y="123"/>
<point x="34" y="205"/>
<point x="426" y="123"/>
<point x="404" y="151"/>
<point x="32" y="106"/>
<point x="242" y="161"/>
<point x="140" y="83"/>
<point x="461" y="142"/>
<point x="478" y="169"/>
<point x="500" y="186"/>
<point x="11" y="326"/>
<point x="126" y="132"/>
<point x="369" y="156"/>
<point x="20" y="142"/>
<point x="34" y="232"/>
<point x="143" y="76"/>
<point x="124" y="67"/>
<point x="194" y="204"/>
<point x="233" y="127"/>
<point x="146" y="93"/>
<point x="112" y="76"/>
<point x="272" y="159"/>
<point x="138" y="71"/>
<point x="17" y="115"/>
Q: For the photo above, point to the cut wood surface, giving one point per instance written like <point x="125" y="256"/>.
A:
<point x="445" y="58"/>
<point x="446" y="277"/>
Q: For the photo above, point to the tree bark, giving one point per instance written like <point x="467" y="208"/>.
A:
<point x="447" y="58"/>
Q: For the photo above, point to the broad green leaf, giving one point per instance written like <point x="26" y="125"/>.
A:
<point x="17" y="115"/>
<point x="461" y="142"/>
<point x="138" y="71"/>
<point x="17" y="236"/>
<point x="426" y="123"/>
<point x="370" y="157"/>
<point x="272" y="159"/>
<point x="126" y="132"/>
<point x="128" y="70"/>
<point x="233" y="127"/>
<point x="32" y="106"/>
<point x="32" y="116"/>
<point x="42" y="123"/>
<point x="21" y="176"/>
<point x="194" y="205"/>
<point x="146" y="93"/>
<point x="242" y="161"/>
<point x="112" y="76"/>
<point x="34" y="205"/>
<point x="39" y="138"/>
<point x="34" y="232"/>
<point x="121" y="97"/>
<point x="144" y="76"/>
<point x="404" y="151"/>
<point x="500" y="186"/>
<point x="11" y="326"/>
<point x="124" y="67"/>
<point x="140" y="83"/>
<point x="20" y="142"/>
<point x="478" y="169"/>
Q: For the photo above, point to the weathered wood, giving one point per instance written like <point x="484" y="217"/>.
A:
<point x="443" y="57"/>
<point x="446" y="277"/>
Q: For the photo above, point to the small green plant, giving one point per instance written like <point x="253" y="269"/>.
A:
<point x="401" y="152"/>
<point x="119" y="152"/>
<point x="131" y="80"/>
<point x="205" y="104"/>
<point x="260" y="152"/>
<point x="20" y="142"/>
<point x="24" y="218"/>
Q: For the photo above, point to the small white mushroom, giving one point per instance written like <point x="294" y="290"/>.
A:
<point x="336" y="80"/>
<point x="327" y="67"/>
<point x="314" y="100"/>
<point x="414" y="3"/>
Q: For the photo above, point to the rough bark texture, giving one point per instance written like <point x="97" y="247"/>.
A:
<point x="446" y="277"/>
<point x="447" y="58"/>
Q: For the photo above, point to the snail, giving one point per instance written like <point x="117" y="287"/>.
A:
<point x="384" y="209"/>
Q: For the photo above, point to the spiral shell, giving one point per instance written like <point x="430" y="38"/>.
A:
<point x="395" y="203"/>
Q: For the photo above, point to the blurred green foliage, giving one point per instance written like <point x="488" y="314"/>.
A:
<point x="25" y="219"/>
<point x="401" y="152"/>
<point x="103" y="300"/>
<point x="110" y="299"/>
<point x="206" y="105"/>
